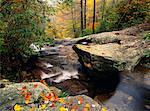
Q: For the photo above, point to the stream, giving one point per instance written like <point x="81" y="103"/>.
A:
<point x="121" y="91"/>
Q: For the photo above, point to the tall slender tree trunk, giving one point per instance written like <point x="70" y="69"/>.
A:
<point x="103" y="9"/>
<point x="84" y="14"/>
<point x="113" y="3"/>
<point x="81" y="16"/>
<point x="73" y="21"/>
<point x="94" y="8"/>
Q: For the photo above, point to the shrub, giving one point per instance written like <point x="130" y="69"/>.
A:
<point x="125" y="14"/>
<point x="22" y="24"/>
<point x="146" y="36"/>
<point x="86" y="32"/>
<point x="132" y="12"/>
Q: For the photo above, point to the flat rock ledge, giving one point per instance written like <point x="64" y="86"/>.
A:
<point x="110" y="51"/>
<point x="101" y="57"/>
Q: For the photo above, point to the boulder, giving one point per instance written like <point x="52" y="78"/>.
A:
<point x="13" y="94"/>
<point x="110" y="51"/>
<point x="101" y="57"/>
<point x="39" y="97"/>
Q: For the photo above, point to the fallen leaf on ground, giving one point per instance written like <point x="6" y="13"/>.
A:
<point x="32" y="109"/>
<point x="18" y="107"/>
<point x="103" y="109"/>
<point x="61" y="100"/>
<point x="42" y="107"/>
<point x="63" y="109"/>
<point x="87" y="105"/>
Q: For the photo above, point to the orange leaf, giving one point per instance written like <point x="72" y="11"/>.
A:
<point x="27" y="101"/>
<point x="42" y="81"/>
<point x="32" y="109"/>
<point x="35" y="86"/>
<point x="61" y="100"/>
<point x="44" y="97"/>
<point x="49" y="96"/>
<point x="27" y="97"/>
<point x="80" y="100"/>
<point x="85" y="109"/>
<point x="24" y="88"/>
<point x="75" y="107"/>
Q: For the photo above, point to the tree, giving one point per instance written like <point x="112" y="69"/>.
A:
<point x="71" y="3"/>
<point x="73" y="21"/>
<point x="84" y="14"/>
<point x="81" y="3"/>
<point x="113" y="3"/>
<point x="103" y="8"/>
<point x="94" y="7"/>
<point x="132" y="12"/>
<point x="23" y="24"/>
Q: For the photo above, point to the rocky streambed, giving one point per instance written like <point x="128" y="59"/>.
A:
<point x="106" y="67"/>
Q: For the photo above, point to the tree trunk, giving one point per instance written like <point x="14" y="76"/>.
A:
<point x="85" y="14"/>
<point x="73" y="23"/>
<point x="93" y="27"/>
<point x="81" y="16"/>
<point x="113" y="3"/>
<point x="103" y="8"/>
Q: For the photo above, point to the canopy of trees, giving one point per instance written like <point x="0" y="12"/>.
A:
<point x="23" y="22"/>
<point x="74" y="18"/>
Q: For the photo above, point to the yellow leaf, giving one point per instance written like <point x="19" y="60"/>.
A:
<point x="87" y="106"/>
<point x="52" y="98"/>
<point x="44" y="97"/>
<point x="61" y="100"/>
<point x="43" y="106"/>
<point x="63" y="109"/>
<point x="73" y="110"/>
<point x="103" y="109"/>
<point x="18" y="107"/>
<point x="27" y="101"/>
<point x="32" y="109"/>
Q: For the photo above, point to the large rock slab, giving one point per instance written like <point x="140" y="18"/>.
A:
<point x="110" y="51"/>
<point x="42" y="98"/>
<point x="101" y="57"/>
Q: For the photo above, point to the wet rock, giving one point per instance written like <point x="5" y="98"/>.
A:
<point x="73" y="87"/>
<point x="57" y="67"/>
<point x="126" y="98"/>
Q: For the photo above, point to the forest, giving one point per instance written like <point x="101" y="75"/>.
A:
<point x="74" y="55"/>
